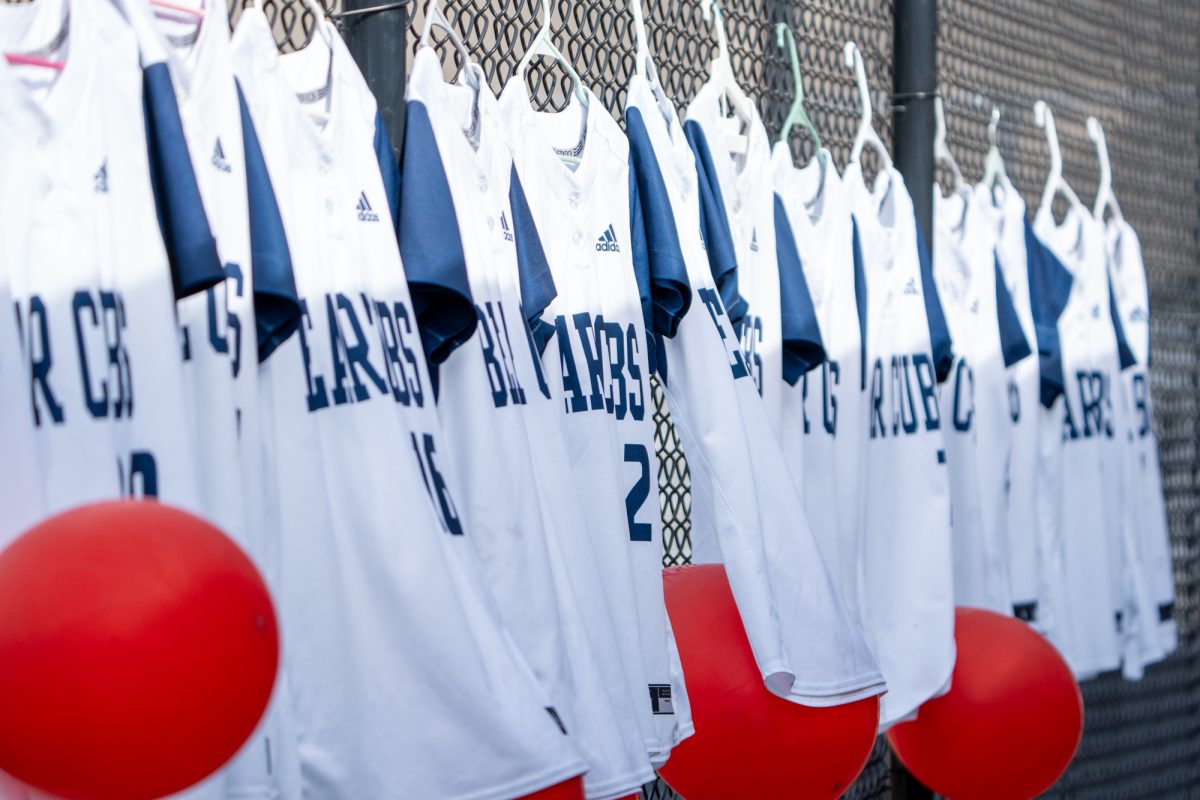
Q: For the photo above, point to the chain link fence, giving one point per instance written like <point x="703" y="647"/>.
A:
<point x="1135" y="64"/>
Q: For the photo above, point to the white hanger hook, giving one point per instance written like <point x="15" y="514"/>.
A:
<point x="853" y="59"/>
<point x="1044" y="118"/>
<point x="994" y="127"/>
<point x="712" y="12"/>
<point x="639" y="31"/>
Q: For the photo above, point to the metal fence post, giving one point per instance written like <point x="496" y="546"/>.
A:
<point x="914" y="70"/>
<point x="375" y="32"/>
<point x="914" y="76"/>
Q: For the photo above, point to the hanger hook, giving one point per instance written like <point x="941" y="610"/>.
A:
<point x="853" y="59"/>
<point x="713" y="13"/>
<point x="785" y="39"/>
<point x="994" y="127"/>
<point x="639" y="31"/>
<point x="1044" y="118"/>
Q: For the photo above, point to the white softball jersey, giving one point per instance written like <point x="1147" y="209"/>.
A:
<point x="820" y="427"/>
<point x="1088" y="629"/>
<point x="107" y="162"/>
<point x="20" y="480"/>
<point x="225" y="330"/>
<point x="1024" y="393"/>
<point x="908" y="596"/>
<point x="746" y="511"/>
<point x="744" y="183"/>
<point x="495" y="402"/>
<point x="1145" y="509"/>
<point x="590" y="217"/>
<point x="988" y="340"/>
<point x="396" y="659"/>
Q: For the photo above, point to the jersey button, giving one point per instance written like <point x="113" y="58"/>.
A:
<point x="483" y="183"/>
<point x="574" y="199"/>
<point x="577" y="238"/>
<point x="328" y="206"/>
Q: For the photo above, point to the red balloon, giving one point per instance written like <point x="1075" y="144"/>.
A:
<point x="1012" y="701"/>
<point x="567" y="790"/>
<point x="138" y="650"/>
<point x="749" y="742"/>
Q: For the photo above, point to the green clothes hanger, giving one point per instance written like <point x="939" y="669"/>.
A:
<point x="797" y="114"/>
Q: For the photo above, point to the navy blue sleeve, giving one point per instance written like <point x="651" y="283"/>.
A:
<point x="388" y="169"/>
<point x="714" y="227"/>
<point x="939" y="333"/>
<point x="1049" y="288"/>
<point x="860" y="300"/>
<point x="669" y="290"/>
<point x="1124" y="351"/>
<point x="802" y="346"/>
<point x="640" y="254"/>
<point x="431" y="245"/>
<point x="537" y="283"/>
<point x="191" y="247"/>
<point x="1013" y="343"/>
<point x="276" y="302"/>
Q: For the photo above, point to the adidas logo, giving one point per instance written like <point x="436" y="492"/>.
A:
<point x="218" y="158"/>
<point x="607" y="243"/>
<point x="365" y="214"/>
<point x="754" y="240"/>
<point x="1138" y="315"/>
<point x="911" y="286"/>
<point x="504" y="229"/>
<point x="100" y="179"/>
<point x="975" y="307"/>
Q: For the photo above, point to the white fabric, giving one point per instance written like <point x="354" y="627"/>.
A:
<point x="1090" y="579"/>
<point x="908" y="597"/>
<point x="821" y="425"/>
<point x="495" y="404"/>
<point x="975" y="400"/>
<point x="396" y="659"/>
<point x="1146" y="518"/>
<point x="747" y="189"/>
<point x="600" y="354"/>
<point x="1025" y="492"/>
<point x="746" y="511"/>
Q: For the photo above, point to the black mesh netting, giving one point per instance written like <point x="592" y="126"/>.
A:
<point x="1135" y="64"/>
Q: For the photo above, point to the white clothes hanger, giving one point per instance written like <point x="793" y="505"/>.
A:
<point x="319" y="17"/>
<point x="543" y="45"/>
<point x="642" y="48"/>
<point x="941" y="153"/>
<point x="1104" y="194"/>
<point x="434" y="16"/>
<point x="1055" y="184"/>
<point x="720" y="74"/>
<point x="866" y="134"/>
<point x="993" y="165"/>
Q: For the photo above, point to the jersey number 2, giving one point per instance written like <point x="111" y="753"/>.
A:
<point x="638" y="531"/>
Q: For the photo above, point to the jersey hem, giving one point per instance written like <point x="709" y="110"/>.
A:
<point x="524" y="786"/>
<point x="824" y="699"/>
<point x="910" y="709"/>
<point x="618" y="787"/>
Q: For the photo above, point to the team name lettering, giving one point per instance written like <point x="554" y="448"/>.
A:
<point x="607" y="373"/>
<point x="106" y="375"/>
<point x="712" y="301"/>
<point x="831" y="375"/>
<point x="373" y="349"/>
<point x="904" y="398"/>
<point x="964" y="396"/>
<point x="752" y="336"/>
<point x="1095" y="407"/>
<point x="496" y="347"/>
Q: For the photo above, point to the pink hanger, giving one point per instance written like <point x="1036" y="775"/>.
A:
<point x="34" y="61"/>
<point x="188" y="12"/>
